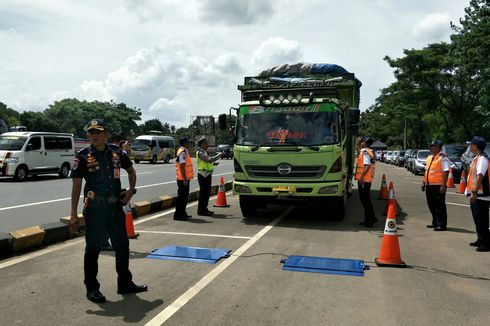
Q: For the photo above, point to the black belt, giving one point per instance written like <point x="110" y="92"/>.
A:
<point x="103" y="200"/>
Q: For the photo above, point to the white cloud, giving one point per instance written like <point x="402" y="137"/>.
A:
<point x="235" y="12"/>
<point x="169" y="85"/>
<point x="275" y="51"/>
<point x="433" y="27"/>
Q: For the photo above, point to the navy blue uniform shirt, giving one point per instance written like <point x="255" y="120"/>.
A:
<point x="101" y="170"/>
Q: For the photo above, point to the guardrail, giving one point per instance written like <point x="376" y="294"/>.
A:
<point x="33" y="237"/>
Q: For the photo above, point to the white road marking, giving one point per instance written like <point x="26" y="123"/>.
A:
<point x="68" y="198"/>
<point x="175" y="306"/>
<point x="456" y="204"/>
<point x="196" y="234"/>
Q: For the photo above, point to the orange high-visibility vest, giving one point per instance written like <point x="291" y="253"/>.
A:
<point x="189" y="169"/>
<point x="434" y="175"/>
<point x="484" y="189"/>
<point x="360" y="165"/>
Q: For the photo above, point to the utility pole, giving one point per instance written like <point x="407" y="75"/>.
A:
<point x="405" y="135"/>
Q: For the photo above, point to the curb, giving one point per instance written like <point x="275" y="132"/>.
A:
<point x="25" y="239"/>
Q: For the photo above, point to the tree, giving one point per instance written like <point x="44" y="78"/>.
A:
<point x="472" y="48"/>
<point x="10" y="116"/>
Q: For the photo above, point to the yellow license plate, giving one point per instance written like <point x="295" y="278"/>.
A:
<point x="284" y="189"/>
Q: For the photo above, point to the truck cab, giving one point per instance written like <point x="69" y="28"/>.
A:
<point x="295" y="141"/>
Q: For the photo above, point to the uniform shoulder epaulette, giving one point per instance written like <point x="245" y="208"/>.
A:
<point x="114" y="147"/>
<point x="84" y="151"/>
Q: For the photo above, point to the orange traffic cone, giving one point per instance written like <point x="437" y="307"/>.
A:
<point x="450" y="179"/>
<point x="391" y="200"/>
<point x="383" y="192"/>
<point x="389" y="255"/>
<point x="221" y="200"/>
<point x="129" y="223"/>
<point x="462" y="183"/>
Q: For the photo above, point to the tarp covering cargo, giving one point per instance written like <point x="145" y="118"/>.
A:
<point x="301" y="72"/>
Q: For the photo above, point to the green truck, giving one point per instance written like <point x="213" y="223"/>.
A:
<point x="294" y="137"/>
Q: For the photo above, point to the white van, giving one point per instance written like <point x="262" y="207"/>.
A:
<point x="153" y="148"/>
<point x="24" y="153"/>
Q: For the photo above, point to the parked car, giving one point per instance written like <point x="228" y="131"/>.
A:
<point x="408" y="152"/>
<point x="419" y="161"/>
<point x="387" y="158"/>
<point x="400" y="158"/>
<point x="226" y="150"/>
<point x="411" y="159"/>
<point x="454" y="153"/>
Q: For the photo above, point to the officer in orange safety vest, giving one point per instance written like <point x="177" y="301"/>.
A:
<point x="185" y="173"/>
<point x="434" y="185"/>
<point x="478" y="189"/>
<point x="364" y="175"/>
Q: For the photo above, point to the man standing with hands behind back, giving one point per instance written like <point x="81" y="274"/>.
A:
<point x="100" y="165"/>
<point x="478" y="189"/>
<point x="434" y="185"/>
<point x="184" y="173"/>
<point x="364" y="175"/>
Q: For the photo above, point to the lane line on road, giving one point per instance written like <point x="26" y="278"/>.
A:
<point x="68" y="198"/>
<point x="196" y="234"/>
<point x="456" y="204"/>
<point x="175" y="306"/>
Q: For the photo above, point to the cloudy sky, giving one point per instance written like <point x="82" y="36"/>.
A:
<point x="175" y="59"/>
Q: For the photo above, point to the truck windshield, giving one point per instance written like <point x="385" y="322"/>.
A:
<point x="12" y="143"/>
<point x="140" y="144"/>
<point x="314" y="124"/>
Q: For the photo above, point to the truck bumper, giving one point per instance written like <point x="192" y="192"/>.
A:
<point x="290" y="189"/>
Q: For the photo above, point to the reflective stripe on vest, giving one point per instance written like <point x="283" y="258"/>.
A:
<point x="483" y="190"/>
<point x="360" y="165"/>
<point x="203" y="166"/>
<point x="189" y="169"/>
<point x="434" y="175"/>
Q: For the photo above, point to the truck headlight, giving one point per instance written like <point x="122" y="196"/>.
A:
<point x="12" y="160"/>
<point x="328" y="190"/>
<point x="243" y="189"/>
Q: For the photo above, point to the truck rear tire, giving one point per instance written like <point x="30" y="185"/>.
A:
<point x="248" y="205"/>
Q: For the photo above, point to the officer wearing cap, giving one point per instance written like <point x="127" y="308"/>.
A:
<point x="478" y="189"/>
<point x="205" y="168"/>
<point x="184" y="173"/>
<point x="100" y="164"/>
<point x="434" y="185"/>
<point x="365" y="165"/>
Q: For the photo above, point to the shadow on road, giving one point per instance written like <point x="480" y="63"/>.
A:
<point x="132" y="308"/>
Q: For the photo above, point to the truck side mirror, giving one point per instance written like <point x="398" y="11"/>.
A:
<point x="354" y="115"/>
<point x="222" y="121"/>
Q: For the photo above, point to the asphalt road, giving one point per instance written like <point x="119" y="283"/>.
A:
<point x="46" y="198"/>
<point x="447" y="282"/>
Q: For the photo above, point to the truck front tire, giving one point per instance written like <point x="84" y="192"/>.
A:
<point x="248" y="205"/>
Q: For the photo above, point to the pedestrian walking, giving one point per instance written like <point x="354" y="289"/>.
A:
<point x="478" y="189"/>
<point x="100" y="164"/>
<point x="365" y="166"/>
<point x="434" y="185"/>
<point x="205" y="168"/>
<point x="184" y="173"/>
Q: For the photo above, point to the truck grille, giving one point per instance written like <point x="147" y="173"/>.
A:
<point x="309" y="171"/>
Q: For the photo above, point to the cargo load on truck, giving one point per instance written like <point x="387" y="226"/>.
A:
<point x="294" y="136"/>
